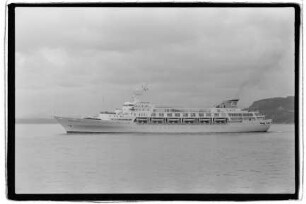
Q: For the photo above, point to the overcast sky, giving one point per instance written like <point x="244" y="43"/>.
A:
<point x="78" y="61"/>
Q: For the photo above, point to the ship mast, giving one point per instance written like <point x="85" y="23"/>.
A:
<point x="139" y="92"/>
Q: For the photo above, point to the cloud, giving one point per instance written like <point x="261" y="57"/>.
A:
<point x="189" y="56"/>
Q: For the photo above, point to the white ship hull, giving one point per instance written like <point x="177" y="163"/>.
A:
<point x="79" y="125"/>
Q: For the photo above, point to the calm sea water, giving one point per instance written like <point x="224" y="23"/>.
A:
<point x="50" y="161"/>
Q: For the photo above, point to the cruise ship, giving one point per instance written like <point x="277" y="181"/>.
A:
<point x="144" y="117"/>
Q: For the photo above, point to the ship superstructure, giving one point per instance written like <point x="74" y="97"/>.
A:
<point x="146" y="113"/>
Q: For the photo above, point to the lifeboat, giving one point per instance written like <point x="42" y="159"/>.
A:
<point x="220" y="120"/>
<point x="157" y="120"/>
<point x="173" y="120"/>
<point x="205" y="120"/>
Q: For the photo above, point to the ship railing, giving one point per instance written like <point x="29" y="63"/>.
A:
<point x="180" y="110"/>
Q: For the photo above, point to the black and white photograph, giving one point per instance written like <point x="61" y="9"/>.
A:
<point x="165" y="99"/>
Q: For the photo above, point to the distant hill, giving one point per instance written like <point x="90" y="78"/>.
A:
<point x="280" y="110"/>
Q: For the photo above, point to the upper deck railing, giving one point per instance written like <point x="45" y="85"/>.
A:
<point x="200" y="110"/>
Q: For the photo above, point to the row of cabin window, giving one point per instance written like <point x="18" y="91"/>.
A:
<point x="141" y="106"/>
<point x="240" y="119"/>
<point x="166" y="110"/>
<point x="142" y="109"/>
<point x="234" y="114"/>
<point x="195" y="115"/>
<point x="240" y="114"/>
<point x="172" y="110"/>
<point x="187" y="114"/>
<point x="248" y="114"/>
